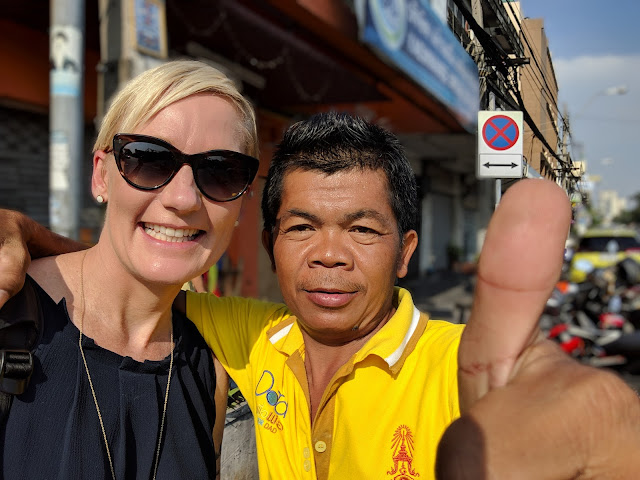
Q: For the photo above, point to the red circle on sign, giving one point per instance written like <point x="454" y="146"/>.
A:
<point x="500" y="132"/>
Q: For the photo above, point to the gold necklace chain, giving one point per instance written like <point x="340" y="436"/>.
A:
<point x="93" y="393"/>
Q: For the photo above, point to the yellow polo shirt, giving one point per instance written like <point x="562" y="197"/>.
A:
<point x="382" y="414"/>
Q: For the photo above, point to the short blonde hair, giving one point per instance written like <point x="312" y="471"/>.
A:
<point x="151" y="91"/>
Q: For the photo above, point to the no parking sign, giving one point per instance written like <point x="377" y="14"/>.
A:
<point x="499" y="144"/>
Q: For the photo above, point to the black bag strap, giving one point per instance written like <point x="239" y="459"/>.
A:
<point x="21" y="326"/>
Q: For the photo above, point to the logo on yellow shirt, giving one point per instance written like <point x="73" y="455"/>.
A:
<point x="402" y="450"/>
<point x="268" y="418"/>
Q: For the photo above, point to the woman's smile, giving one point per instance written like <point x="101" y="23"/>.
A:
<point x="170" y="234"/>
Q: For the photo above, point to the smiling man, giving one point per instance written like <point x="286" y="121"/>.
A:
<point x="339" y="380"/>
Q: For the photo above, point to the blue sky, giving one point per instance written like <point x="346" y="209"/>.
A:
<point x="594" y="47"/>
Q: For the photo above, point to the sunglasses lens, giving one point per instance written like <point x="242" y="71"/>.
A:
<point x="149" y="163"/>
<point x="145" y="164"/>
<point x="224" y="177"/>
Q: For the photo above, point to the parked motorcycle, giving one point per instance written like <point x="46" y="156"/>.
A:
<point x="598" y="321"/>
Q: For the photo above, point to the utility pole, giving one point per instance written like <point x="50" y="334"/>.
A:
<point x="66" y="117"/>
<point x="112" y="62"/>
<point x="476" y="9"/>
<point x="566" y="174"/>
<point x="498" y="183"/>
<point x="485" y="204"/>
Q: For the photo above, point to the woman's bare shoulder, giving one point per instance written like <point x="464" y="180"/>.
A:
<point x="53" y="274"/>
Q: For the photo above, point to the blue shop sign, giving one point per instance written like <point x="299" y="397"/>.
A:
<point x="410" y="35"/>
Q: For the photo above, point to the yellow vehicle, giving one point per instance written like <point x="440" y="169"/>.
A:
<point x="601" y="248"/>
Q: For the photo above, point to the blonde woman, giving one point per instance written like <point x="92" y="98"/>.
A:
<point x="124" y="387"/>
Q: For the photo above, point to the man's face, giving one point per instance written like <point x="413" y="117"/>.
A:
<point x="337" y="252"/>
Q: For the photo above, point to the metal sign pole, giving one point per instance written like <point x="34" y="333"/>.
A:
<point x="499" y="147"/>
<point x="498" y="183"/>
<point x="66" y="116"/>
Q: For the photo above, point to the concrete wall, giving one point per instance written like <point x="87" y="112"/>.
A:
<point x="238" y="457"/>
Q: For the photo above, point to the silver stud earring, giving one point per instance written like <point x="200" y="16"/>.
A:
<point x="100" y="199"/>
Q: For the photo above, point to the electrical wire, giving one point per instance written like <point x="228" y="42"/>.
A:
<point x="531" y="49"/>
<point x="524" y="29"/>
<point x="502" y="63"/>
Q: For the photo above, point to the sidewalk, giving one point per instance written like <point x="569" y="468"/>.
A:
<point x="443" y="295"/>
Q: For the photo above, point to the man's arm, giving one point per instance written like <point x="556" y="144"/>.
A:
<point x="528" y="410"/>
<point x="20" y="240"/>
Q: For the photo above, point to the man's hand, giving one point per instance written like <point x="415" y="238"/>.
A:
<point x="20" y="239"/>
<point x="14" y="255"/>
<point x="529" y="411"/>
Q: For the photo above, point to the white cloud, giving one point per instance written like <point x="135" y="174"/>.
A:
<point x="606" y="126"/>
<point x="583" y="81"/>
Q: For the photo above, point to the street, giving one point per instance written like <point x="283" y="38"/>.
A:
<point x="448" y="296"/>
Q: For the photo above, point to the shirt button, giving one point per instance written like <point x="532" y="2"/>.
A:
<point x="306" y="452"/>
<point x="320" y="446"/>
<point x="307" y="465"/>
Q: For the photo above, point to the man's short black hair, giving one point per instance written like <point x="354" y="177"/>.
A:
<point x="333" y="142"/>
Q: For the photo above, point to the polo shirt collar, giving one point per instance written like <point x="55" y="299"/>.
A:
<point x="392" y="343"/>
<point x="398" y="337"/>
<point x="286" y="336"/>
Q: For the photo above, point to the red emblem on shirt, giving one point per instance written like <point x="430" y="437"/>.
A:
<point x="402" y="450"/>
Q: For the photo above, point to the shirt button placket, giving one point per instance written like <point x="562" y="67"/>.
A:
<point x="306" y="453"/>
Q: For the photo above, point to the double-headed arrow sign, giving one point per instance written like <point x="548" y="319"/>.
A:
<point x="489" y="165"/>
<point x="499" y="144"/>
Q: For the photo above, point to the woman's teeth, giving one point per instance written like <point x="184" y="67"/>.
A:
<point x="168" y="234"/>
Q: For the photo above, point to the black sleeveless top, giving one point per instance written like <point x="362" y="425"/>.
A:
<point x="53" y="431"/>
